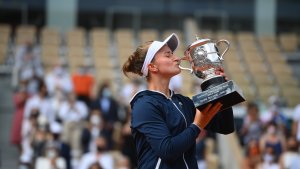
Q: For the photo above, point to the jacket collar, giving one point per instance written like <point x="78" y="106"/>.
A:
<point x="152" y="92"/>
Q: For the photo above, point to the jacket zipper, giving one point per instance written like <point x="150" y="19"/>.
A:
<point x="185" y="127"/>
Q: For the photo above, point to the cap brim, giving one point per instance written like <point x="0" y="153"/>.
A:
<point x="172" y="41"/>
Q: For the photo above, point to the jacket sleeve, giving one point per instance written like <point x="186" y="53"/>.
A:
<point x="147" y="119"/>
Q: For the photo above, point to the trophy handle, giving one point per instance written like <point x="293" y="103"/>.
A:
<point x="184" y="68"/>
<point x="227" y="43"/>
<point x="186" y="57"/>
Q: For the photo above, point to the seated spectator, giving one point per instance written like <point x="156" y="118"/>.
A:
<point x="100" y="156"/>
<point x="58" y="78"/>
<point x="56" y="102"/>
<point x="29" y="128"/>
<point x="269" y="159"/>
<point x="73" y="110"/>
<point x="273" y="138"/>
<point x="38" y="143"/>
<point x="93" y="129"/>
<point x="95" y="166"/>
<point x="63" y="148"/>
<point x="290" y="159"/>
<point x="106" y="104"/>
<point x="296" y="123"/>
<point x="121" y="161"/>
<point x="126" y="141"/>
<point x="252" y="126"/>
<point x="83" y="83"/>
<point x="72" y="114"/>
<point x="27" y="64"/>
<point x="253" y="154"/>
<point x="51" y="160"/>
<point x="41" y="102"/>
<point x="109" y="108"/>
<point x="274" y="114"/>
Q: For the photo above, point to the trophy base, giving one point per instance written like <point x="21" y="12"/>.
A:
<point x="218" y="90"/>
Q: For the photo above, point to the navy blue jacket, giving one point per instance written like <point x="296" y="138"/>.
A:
<point x="163" y="131"/>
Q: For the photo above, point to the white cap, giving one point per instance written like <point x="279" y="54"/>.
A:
<point x="172" y="41"/>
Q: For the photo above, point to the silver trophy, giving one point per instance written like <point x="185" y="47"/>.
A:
<point x="205" y="58"/>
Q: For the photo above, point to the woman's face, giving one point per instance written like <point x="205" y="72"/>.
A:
<point x="166" y="62"/>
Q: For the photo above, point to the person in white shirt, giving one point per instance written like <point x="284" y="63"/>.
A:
<point x="93" y="129"/>
<point x="101" y="156"/>
<point x="72" y="114"/>
<point x="73" y="110"/>
<point x="269" y="161"/>
<point x="58" y="78"/>
<point x="56" y="101"/>
<point x="37" y="114"/>
<point x="27" y="63"/>
<point x="290" y="159"/>
<point x="41" y="102"/>
<point x="51" y="160"/>
<point x="296" y="123"/>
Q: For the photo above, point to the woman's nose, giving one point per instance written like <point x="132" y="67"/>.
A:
<point x="176" y="58"/>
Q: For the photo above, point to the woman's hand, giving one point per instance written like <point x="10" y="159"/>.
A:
<point x="220" y="71"/>
<point x="202" y="118"/>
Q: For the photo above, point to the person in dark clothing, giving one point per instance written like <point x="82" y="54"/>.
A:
<point x="165" y="125"/>
<point x="64" y="149"/>
<point x="106" y="104"/>
<point x="127" y="142"/>
<point x="93" y="129"/>
<point x="108" y="107"/>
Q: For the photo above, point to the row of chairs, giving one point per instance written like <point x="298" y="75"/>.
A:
<point x="254" y="62"/>
<point x="77" y="38"/>
<point x="264" y="61"/>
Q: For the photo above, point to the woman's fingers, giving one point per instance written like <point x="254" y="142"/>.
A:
<point x="215" y="109"/>
<point x="207" y="114"/>
<point x="212" y="107"/>
<point x="217" y="106"/>
<point x="206" y="109"/>
<point x="220" y="71"/>
<point x="212" y="112"/>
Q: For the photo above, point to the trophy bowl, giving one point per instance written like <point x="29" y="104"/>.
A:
<point x="204" y="58"/>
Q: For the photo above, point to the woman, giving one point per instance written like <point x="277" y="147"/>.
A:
<point x="19" y="100"/>
<point x="164" y="125"/>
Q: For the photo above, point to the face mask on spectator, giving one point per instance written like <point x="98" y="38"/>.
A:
<point x="42" y="121"/>
<point x="100" y="149"/>
<point x="34" y="114"/>
<point x="271" y="130"/>
<point x="106" y="92"/>
<point x="58" y="71"/>
<point x="268" y="158"/>
<point x="56" y="136"/>
<point x="95" y="120"/>
<point x="58" y="94"/>
<point x="51" y="153"/>
<point x="95" y="132"/>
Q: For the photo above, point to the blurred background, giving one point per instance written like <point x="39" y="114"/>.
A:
<point x="64" y="101"/>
